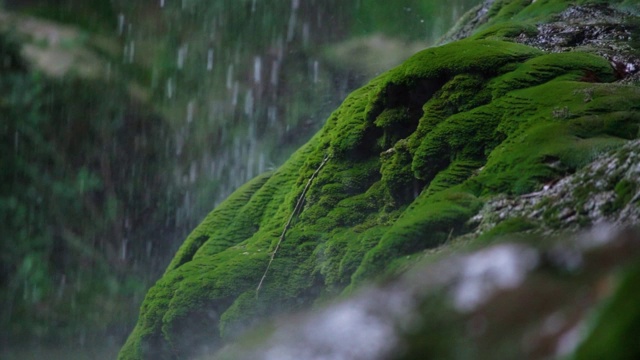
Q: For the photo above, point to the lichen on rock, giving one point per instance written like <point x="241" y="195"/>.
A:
<point x="414" y="156"/>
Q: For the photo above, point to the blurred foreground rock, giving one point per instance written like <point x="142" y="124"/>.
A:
<point x="575" y="296"/>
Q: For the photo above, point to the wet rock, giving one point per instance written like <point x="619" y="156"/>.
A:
<point x="596" y="28"/>
<point x="585" y="198"/>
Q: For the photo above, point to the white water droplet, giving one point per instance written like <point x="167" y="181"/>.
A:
<point x="210" y="60"/>
<point x="316" y="69"/>
<point x="236" y="90"/>
<point x="182" y="55"/>
<point x="170" y="88"/>
<point x="120" y="24"/>
<point x="272" y="114"/>
<point x="275" y="68"/>
<point x="191" y="108"/>
<point x="179" y="143"/>
<point x="230" y="76"/>
<point x="257" y="69"/>
<point x="291" y="27"/>
<point x="305" y="34"/>
<point x="132" y="51"/>
<point x="248" y="103"/>
<point x="193" y="172"/>
<point x="123" y="253"/>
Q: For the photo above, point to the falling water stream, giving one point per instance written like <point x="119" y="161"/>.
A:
<point x="247" y="82"/>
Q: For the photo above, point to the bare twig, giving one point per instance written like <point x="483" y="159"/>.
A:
<point x="296" y="209"/>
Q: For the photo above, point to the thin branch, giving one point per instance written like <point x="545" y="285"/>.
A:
<point x="296" y="209"/>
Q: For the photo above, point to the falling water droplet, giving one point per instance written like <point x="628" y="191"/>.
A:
<point x="120" y="24"/>
<point x="257" y="69"/>
<point x="291" y="27"/>
<point x="182" y="54"/>
<point x="236" y="90"/>
<point x="248" y="103"/>
<point x="170" y="88"/>
<point x="123" y="253"/>
<point x="210" y="60"/>
<point x="61" y="286"/>
<point x="275" y="67"/>
<point x="193" y="172"/>
<point x="132" y="51"/>
<point x="305" y="34"/>
<point x="316" y="68"/>
<point x="191" y="108"/>
<point x="272" y="114"/>
<point x="230" y="76"/>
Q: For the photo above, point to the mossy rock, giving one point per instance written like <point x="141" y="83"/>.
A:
<point x="412" y="156"/>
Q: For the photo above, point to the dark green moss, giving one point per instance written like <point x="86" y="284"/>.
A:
<point x="625" y="190"/>
<point x="397" y="175"/>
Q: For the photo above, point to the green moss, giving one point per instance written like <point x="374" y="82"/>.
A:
<point x="508" y="227"/>
<point x="625" y="191"/>
<point x="458" y="172"/>
<point x="507" y="30"/>
<point x="504" y="9"/>
<point x="348" y="135"/>
<point x="214" y="223"/>
<point x="391" y="118"/>
<point x="427" y="223"/>
<point x="397" y="175"/>
<point x="465" y="56"/>
<point x="570" y="66"/>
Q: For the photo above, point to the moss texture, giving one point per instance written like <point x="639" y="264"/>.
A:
<point x="413" y="155"/>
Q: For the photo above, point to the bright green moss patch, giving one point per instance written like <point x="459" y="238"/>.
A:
<point x="413" y="156"/>
<point x="507" y="30"/>
<point x="430" y="221"/>
<point x="481" y="56"/>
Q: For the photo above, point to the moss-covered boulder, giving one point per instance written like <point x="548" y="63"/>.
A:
<point x="400" y="167"/>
